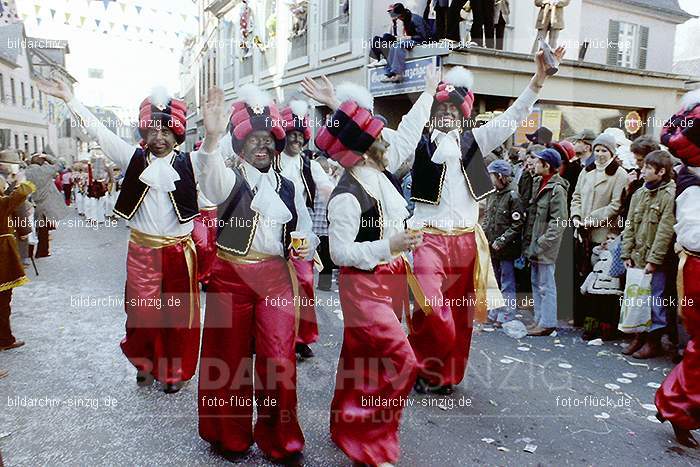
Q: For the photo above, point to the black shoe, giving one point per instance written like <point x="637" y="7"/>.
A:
<point x="444" y="390"/>
<point x="171" y="388"/>
<point x="231" y="456"/>
<point x="324" y="288"/>
<point x="304" y="351"/>
<point x="293" y="460"/>
<point x="143" y="378"/>
<point x="685" y="437"/>
<point x="421" y="385"/>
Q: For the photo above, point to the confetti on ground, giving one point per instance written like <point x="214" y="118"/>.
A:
<point x="503" y="448"/>
<point x="612" y="387"/>
<point x="602" y="416"/>
<point x="653" y="419"/>
<point x="566" y="366"/>
<point x="531" y="448"/>
<point x="629" y="375"/>
<point x="5" y="435"/>
<point x="488" y="440"/>
<point x="559" y="345"/>
<point x="524" y="349"/>
<point x="649" y="407"/>
<point x="442" y="406"/>
<point x="557" y="341"/>
<point x="624" y="380"/>
<point x="524" y="440"/>
<point x="506" y="360"/>
<point x="595" y="342"/>
<point x="637" y="364"/>
<point x="493" y="403"/>
<point x="488" y="329"/>
<point x="654" y="385"/>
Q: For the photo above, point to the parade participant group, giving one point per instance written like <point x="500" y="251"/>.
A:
<point x="233" y="220"/>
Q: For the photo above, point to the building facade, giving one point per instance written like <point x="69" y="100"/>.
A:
<point x="619" y="58"/>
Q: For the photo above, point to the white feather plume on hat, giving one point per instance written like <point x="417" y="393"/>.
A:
<point x="253" y="96"/>
<point x="160" y="97"/>
<point x="299" y="108"/>
<point x="459" y="77"/>
<point x="691" y="99"/>
<point x="355" y="92"/>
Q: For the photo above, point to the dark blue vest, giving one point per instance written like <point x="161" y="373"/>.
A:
<point x="371" y="217"/>
<point x="428" y="177"/>
<point x="133" y="190"/>
<point x="238" y="222"/>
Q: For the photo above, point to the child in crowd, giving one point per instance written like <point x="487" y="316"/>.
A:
<point x="503" y="227"/>
<point x="546" y="223"/>
<point x="647" y="240"/>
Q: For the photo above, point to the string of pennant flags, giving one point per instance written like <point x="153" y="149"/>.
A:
<point x="115" y="18"/>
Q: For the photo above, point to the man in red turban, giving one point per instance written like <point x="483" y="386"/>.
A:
<point x="159" y="201"/>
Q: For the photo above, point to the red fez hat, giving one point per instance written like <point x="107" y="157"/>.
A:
<point x="456" y="88"/>
<point x="295" y="118"/>
<point x="681" y="133"/>
<point x="352" y="129"/>
<point x="255" y="111"/>
<point x="168" y="112"/>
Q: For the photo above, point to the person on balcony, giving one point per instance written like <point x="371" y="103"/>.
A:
<point x="407" y="31"/>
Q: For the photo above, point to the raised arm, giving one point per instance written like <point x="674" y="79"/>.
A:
<point x="408" y="134"/>
<point x="115" y="148"/>
<point x="498" y="130"/>
<point x="215" y="180"/>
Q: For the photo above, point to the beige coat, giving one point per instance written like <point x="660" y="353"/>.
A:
<point x="599" y="203"/>
<point x="551" y="17"/>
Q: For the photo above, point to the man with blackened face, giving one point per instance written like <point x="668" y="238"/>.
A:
<point x="311" y="181"/>
<point x="250" y="297"/>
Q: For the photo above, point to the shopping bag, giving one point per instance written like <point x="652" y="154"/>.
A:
<point x="635" y="313"/>
<point x="617" y="268"/>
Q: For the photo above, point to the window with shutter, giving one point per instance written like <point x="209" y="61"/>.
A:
<point x="643" y="47"/>
<point x="613" y="42"/>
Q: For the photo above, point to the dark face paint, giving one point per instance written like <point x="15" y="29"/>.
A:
<point x="447" y="117"/>
<point x="259" y="149"/>
<point x="160" y="139"/>
<point x="295" y="143"/>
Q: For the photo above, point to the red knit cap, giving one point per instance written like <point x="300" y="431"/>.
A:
<point x="170" y="113"/>
<point x="681" y="133"/>
<point x="566" y="149"/>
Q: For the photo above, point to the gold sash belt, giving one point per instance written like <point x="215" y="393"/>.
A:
<point x="208" y="208"/>
<point x="680" y="284"/>
<point x="488" y="294"/>
<point x="253" y="257"/>
<point x="7" y="235"/>
<point x="157" y="242"/>
<point x="448" y="233"/>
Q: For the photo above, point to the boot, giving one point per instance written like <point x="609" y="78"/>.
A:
<point x="652" y="347"/>
<point x="683" y="436"/>
<point x="636" y="344"/>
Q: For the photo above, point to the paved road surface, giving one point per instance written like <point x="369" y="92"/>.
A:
<point x="541" y="391"/>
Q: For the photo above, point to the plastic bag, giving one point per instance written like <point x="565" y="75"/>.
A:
<point x="515" y="329"/>
<point x="635" y="314"/>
